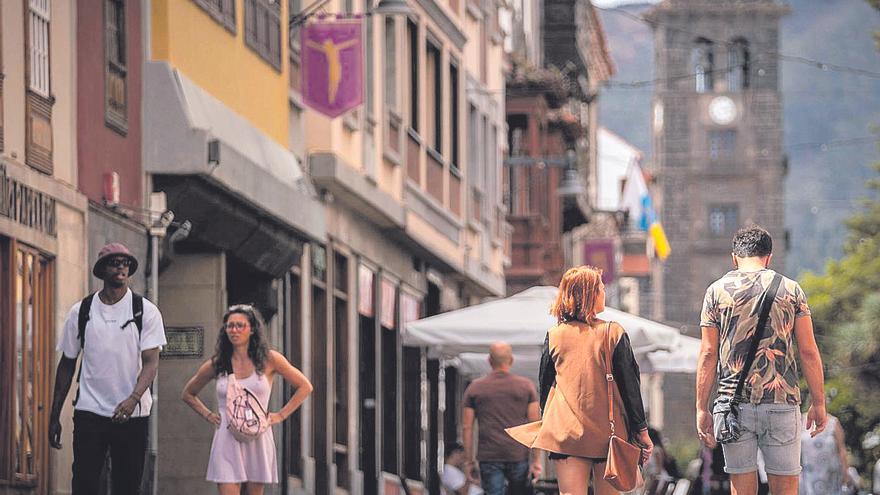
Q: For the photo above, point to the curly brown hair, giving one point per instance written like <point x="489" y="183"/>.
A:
<point x="258" y="349"/>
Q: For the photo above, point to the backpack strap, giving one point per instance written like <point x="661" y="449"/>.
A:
<point x="83" y="318"/>
<point x="137" y="310"/>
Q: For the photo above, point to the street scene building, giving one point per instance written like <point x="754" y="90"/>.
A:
<point x="717" y="138"/>
<point x="395" y="185"/>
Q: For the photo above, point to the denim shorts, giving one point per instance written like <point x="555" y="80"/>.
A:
<point x="775" y="429"/>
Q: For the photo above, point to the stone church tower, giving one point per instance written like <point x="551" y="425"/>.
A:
<point x="717" y="132"/>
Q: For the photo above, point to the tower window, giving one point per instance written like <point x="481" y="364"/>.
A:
<point x="722" y="144"/>
<point x="738" y="65"/>
<point x="723" y="220"/>
<point x="703" y="64"/>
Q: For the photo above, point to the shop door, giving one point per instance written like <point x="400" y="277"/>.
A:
<point x="25" y="351"/>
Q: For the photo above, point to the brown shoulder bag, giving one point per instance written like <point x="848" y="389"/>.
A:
<point x="622" y="467"/>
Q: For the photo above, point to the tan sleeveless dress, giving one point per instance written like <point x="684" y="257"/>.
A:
<point x="575" y="419"/>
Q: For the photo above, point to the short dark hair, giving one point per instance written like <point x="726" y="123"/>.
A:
<point x="452" y="448"/>
<point x="752" y="241"/>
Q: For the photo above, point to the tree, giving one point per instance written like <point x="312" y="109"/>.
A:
<point x="845" y="302"/>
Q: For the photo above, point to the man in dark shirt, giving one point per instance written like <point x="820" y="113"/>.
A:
<point x="500" y="400"/>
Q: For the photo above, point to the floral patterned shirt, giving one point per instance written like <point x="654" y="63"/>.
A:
<point x="731" y="306"/>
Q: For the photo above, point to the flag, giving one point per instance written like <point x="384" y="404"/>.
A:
<point x="332" y="66"/>
<point x="636" y="199"/>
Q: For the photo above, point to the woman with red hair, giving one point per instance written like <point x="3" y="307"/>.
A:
<point x="573" y="387"/>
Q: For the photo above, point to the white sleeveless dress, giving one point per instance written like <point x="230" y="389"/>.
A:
<point x="232" y="461"/>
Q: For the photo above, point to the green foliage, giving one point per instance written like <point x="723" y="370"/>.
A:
<point x="845" y="302"/>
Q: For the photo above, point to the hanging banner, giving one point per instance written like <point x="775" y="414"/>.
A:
<point x="600" y="253"/>
<point x="332" y="66"/>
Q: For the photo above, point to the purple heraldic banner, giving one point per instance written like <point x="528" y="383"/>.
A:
<point x="600" y="253"/>
<point x="332" y="66"/>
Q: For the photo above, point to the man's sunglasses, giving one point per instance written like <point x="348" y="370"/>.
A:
<point x="118" y="262"/>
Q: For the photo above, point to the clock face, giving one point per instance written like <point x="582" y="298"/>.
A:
<point x="722" y="110"/>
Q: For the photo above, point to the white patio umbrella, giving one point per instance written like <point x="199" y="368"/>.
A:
<point x="522" y="320"/>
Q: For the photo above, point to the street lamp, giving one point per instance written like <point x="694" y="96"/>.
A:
<point x="571" y="185"/>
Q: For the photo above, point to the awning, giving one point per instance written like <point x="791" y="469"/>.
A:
<point x="181" y="119"/>
<point x="522" y="320"/>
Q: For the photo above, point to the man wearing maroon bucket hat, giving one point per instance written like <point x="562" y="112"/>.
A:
<point x="119" y="334"/>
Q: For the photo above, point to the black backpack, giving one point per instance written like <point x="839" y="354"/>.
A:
<point x="137" y="310"/>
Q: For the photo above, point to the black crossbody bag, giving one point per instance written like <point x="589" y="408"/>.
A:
<point x="730" y="429"/>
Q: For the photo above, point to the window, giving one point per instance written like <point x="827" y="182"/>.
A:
<point x="390" y="359"/>
<point x="294" y="7"/>
<point x="455" y="158"/>
<point x="27" y="290"/>
<point x="703" y="64"/>
<point x="38" y="47"/>
<point x="390" y="64"/>
<point x="369" y="97"/>
<point x="38" y="104"/>
<point x="474" y="163"/>
<point x="320" y="365"/>
<point x="223" y="11"/>
<point x="341" y="358"/>
<point x="367" y="370"/>
<point x="293" y="427"/>
<point x="723" y="220"/>
<point x="115" y="86"/>
<point x="412" y="32"/>
<point x="262" y="29"/>
<point x="738" y="65"/>
<point x="722" y="144"/>
<point x="434" y="93"/>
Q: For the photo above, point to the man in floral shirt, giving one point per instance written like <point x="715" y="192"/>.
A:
<point x="770" y="400"/>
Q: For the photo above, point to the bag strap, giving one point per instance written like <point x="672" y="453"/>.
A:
<point x="766" y="303"/>
<point x="83" y="319"/>
<point x="609" y="377"/>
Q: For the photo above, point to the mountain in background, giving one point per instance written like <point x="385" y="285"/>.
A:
<point x="829" y="116"/>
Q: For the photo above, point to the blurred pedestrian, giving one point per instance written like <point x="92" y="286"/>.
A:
<point x="119" y="334"/>
<point x="574" y="387"/>
<point x="453" y="478"/>
<point x="497" y="401"/>
<point x="824" y="461"/>
<point x="243" y="358"/>
<point x="749" y="348"/>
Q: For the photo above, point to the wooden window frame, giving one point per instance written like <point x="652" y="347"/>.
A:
<point x="115" y="70"/>
<point x="454" y="115"/>
<point x="260" y="39"/>
<point x="42" y="333"/>
<point x="413" y="48"/>
<point x="222" y="11"/>
<point x="38" y="94"/>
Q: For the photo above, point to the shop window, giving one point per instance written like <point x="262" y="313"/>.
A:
<point x="341" y="360"/>
<point x="367" y="375"/>
<point x="25" y="351"/>
<point x="293" y="426"/>
<point x="115" y="72"/>
<point x="390" y="359"/>
<point x="319" y="371"/>
<point x="262" y="29"/>
<point x="223" y="11"/>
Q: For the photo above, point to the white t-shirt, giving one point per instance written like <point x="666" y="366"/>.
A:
<point x="453" y="479"/>
<point x="112" y="359"/>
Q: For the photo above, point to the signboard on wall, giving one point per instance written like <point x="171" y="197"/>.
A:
<point x="184" y="343"/>
<point x="600" y="254"/>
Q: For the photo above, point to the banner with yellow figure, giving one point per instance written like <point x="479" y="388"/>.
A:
<point x="332" y="66"/>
